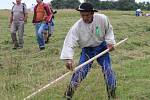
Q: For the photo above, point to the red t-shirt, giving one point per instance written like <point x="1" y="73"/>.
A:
<point x="42" y="13"/>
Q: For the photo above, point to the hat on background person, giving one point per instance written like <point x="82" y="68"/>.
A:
<point x="86" y="7"/>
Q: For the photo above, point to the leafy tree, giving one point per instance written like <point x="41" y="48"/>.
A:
<point x="95" y="3"/>
<point x="61" y="4"/>
<point x="72" y="3"/>
<point x="106" y="5"/>
<point x="58" y="4"/>
<point x="147" y="6"/>
<point x="100" y="4"/>
<point x="126" y="4"/>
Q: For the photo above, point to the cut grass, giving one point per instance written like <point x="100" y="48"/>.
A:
<point x="24" y="71"/>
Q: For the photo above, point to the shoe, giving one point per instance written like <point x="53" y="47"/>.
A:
<point x="49" y="35"/>
<point x="69" y="93"/>
<point x="15" y="46"/>
<point x="111" y="94"/>
<point x="20" y="47"/>
<point x="42" y="48"/>
<point x="46" y="41"/>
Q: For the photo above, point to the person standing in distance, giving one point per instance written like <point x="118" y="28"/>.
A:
<point x="94" y="34"/>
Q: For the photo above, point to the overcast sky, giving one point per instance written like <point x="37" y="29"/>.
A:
<point x="7" y="4"/>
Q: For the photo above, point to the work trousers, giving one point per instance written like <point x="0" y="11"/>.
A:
<point x="17" y="26"/>
<point x="104" y="61"/>
<point x="39" y="28"/>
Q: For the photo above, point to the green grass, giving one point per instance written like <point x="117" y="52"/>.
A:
<point x="26" y="70"/>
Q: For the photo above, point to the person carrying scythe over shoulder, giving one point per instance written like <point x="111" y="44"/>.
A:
<point x="94" y="34"/>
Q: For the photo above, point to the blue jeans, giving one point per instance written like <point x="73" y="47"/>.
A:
<point x="49" y="27"/>
<point x="104" y="61"/>
<point x="39" y="28"/>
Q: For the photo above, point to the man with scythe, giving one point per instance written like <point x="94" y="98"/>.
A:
<point x="94" y="34"/>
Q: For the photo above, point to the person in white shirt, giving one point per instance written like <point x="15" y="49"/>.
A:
<point x="138" y="12"/>
<point x="93" y="33"/>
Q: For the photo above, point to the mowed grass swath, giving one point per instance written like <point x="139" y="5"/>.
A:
<point x="26" y="70"/>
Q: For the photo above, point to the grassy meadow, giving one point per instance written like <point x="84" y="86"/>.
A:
<point x="24" y="71"/>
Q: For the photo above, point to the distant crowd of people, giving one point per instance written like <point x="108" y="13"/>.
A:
<point x="139" y="12"/>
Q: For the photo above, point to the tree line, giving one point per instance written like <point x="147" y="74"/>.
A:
<point x="102" y="5"/>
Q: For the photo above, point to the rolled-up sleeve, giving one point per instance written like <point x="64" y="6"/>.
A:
<point x="109" y="36"/>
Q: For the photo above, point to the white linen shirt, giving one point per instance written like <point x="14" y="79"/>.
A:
<point x="87" y="35"/>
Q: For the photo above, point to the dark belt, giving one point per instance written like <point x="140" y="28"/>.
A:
<point x="39" y="21"/>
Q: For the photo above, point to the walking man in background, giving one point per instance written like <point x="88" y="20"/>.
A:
<point x="17" y="20"/>
<point x="94" y="34"/>
<point x="42" y="16"/>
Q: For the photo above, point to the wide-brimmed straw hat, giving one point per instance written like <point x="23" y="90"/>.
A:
<point x="86" y="7"/>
